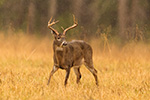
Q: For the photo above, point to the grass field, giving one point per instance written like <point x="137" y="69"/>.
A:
<point x="26" y="61"/>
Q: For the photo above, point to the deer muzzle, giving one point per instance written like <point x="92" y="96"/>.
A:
<point x="64" y="43"/>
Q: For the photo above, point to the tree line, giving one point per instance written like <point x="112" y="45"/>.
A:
<point x="125" y="17"/>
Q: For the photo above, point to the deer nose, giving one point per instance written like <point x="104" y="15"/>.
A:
<point x="64" y="43"/>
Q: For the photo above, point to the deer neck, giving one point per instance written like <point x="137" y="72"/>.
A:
<point x="59" y="54"/>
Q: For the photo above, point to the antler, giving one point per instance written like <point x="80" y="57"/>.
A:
<point x="73" y="26"/>
<point x="52" y="23"/>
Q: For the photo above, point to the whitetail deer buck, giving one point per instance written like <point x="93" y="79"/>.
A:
<point x="70" y="54"/>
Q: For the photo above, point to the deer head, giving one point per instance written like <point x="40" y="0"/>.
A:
<point x="60" y="40"/>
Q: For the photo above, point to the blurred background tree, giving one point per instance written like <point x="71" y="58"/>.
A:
<point x="94" y="16"/>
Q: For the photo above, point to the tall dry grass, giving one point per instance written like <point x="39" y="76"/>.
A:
<point x="26" y="61"/>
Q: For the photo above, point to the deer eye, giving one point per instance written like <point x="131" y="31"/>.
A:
<point x="59" y="39"/>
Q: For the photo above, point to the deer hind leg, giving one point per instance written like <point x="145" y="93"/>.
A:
<point x="90" y="67"/>
<point x="51" y="74"/>
<point x="78" y="74"/>
<point x="67" y="76"/>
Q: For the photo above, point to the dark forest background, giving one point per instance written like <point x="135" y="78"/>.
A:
<point x="124" y="19"/>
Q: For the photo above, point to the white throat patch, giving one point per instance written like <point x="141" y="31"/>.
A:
<point x="59" y="49"/>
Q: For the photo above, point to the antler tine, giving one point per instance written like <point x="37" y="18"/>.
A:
<point x="62" y="28"/>
<point x="49" y="20"/>
<point x="73" y="26"/>
<point x="57" y="21"/>
<point x="74" y="19"/>
<point x="52" y="23"/>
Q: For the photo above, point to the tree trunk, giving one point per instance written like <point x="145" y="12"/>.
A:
<point x="77" y="8"/>
<point x="122" y="18"/>
<point x="31" y="17"/>
<point x="52" y="8"/>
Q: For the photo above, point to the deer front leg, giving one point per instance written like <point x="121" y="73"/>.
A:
<point x="67" y="76"/>
<point x="51" y="74"/>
